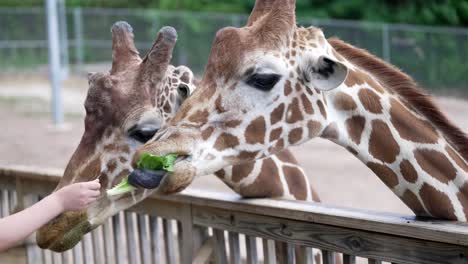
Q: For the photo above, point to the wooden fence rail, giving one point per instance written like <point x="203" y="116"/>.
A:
<point x="198" y="226"/>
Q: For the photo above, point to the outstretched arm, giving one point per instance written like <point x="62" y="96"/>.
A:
<point x="15" y="228"/>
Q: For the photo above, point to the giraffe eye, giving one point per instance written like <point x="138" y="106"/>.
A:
<point x="143" y="133"/>
<point x="263" y="81"/>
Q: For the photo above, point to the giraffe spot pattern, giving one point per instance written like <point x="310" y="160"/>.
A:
<point x="207" y="133"/>
<point x="295" y="135"/>
<point x="296" y="182"/>
<point x="408" y="171"/>
<point x="277" y="114"/>
<point x="412" y="201"/>
<point x="355" y="126"/>
<point x="226" y="141"/>
<point x="384" y="173"/>
<point x="255" y="131"/>
<point x="199" y="117"/>
<point x="314" y="128"/>
<point x="437" y="203"/>
<point x="307" y="105"/>
<point x="382" y="145"/>
<point x="294" y="113"/>
<point x="353" y="79"/>
<point x="241" y="171"/>
<point x="455" y="157"/>
<point x="219" y="106"/>
<point x="233" y="123"/>
<point x="267" y="183"/>
<point x="322" y="109"/>
<point x="435" y="164"/>
<point x="287" y="88"/>
<point x="463" y="198"/>
<point x="409" y="126"/>
<point x="370" y="101"/>
<point x="330" y="131"/>
<point x="275" y="134"/>
<point x="344" y="102"/>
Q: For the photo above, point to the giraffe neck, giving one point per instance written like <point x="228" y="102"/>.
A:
<point x="401" y="146"/>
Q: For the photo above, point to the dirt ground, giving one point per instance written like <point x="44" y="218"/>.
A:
<point x="28" y="137"/>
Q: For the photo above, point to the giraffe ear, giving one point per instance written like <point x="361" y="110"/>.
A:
<point x="325" y="73"/>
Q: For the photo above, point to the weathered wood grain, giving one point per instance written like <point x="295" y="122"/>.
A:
<point x="234" y="248"/>
<point x="349" y="259"/>
<point x="354" y="242"/>
<point x="219" y="246"/>
<point x="269" y="256"/>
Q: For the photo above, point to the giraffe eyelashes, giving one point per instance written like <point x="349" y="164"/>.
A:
<point x="143" y="133"/>
<point x="263" y="81"/>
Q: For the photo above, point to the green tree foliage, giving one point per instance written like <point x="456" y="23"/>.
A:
<point x="429" y="12"/>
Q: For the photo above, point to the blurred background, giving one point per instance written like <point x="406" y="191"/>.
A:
<point x="426" y="39"/>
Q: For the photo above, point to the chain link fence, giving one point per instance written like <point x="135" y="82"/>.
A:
<point x="435" y="56"/>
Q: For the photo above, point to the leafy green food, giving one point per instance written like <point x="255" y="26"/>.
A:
<point x="148" y="162"/>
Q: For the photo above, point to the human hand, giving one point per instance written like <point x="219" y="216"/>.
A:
<point x="78" y="196"/>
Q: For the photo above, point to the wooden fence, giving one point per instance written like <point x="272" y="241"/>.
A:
<point x="203" y="227"/>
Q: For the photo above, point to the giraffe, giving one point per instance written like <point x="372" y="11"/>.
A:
<point x="124" y="109"/>
<point x="283" y="85"/>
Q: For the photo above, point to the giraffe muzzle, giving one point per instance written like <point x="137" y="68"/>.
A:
<point x="64" y="232"/>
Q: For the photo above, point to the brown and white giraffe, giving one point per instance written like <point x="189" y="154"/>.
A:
<point x="272" y="84"/>
<point x="125" y="108"/>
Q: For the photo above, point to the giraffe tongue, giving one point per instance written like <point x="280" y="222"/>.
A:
<point x="147" y="179"/>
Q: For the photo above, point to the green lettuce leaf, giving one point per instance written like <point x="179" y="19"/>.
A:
<point x="148" y="162"/>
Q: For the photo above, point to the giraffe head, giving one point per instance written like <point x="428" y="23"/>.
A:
<point x="261" y="92"/>
<point x="124" y="108"/>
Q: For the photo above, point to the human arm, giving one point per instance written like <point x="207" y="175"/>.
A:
<point x="15" y="228"/>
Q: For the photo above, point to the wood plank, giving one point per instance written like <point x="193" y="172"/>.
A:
<point x="78" y="253"/>
<point x="186" y="233"/>
<point x="88" y="250"/>
<point x="155" y="240"/>
<point x="349" y="259"/>
<point x="387" y="223"/>
<point x="374" y="261"/>
<point x="304" y="255"/>
<point x="119" y="238"/>
<point x="251" y="249"/>
<point x="269" y="256"/>
<point x="109" y="241"/>
<point x="354" y="242"/>
<point x="34" y="256"/>
<point x="328" y="257"/>
<point x="392" y="224"/>
<point x="131" y="238"/>
<point x="98" y="245"/>
<point x="219" y="246"/>
<point x="205" y="253"/>
<point x="169" y="241"/>
<point x="57" y="258"/>
<point x="145" y="243"/>
<point x="234" y="248"/>
<point x="290" y="253"/>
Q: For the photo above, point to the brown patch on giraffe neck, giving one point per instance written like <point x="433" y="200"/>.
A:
<point x="370" y="100"/>
<point x="241" y="171"/>
<point x="314" y="128"/>
<point x="267" y="183"/>
<point x="409" y="126"/>
<point x="287" y="88"/>
<point x="412" y="201"/>
<point x="91" y="171"/>
<point x="355" y="126"/>
<point x="275" y="134"/>
<point x="296" y="182"/>
<point x="408" y="171"/>
<point x="463" y="198"/>
<point x="226" y="141"/>
<point x="199" y="117"/>
<point x="382" y="145"/>
<point x="277" y="114"/>
<point x="393" y="79"/>
<point x="385" y="174"/>
<point x="344" y="102"/>
<point x="207" y="133"/>
<point x="322" y="109"/>
<point x="330" y="132"/>
<point x="295" y="135"/>
<point x="219" y="105"/>
<point x="353" y="78"/>
<point x="233" y="123"/>
<point x="435" y="164"/>
<point x="307" y="105"/>
<point x="458" y="160"/>
<point x="294" y="113"/>
<point x="437" y="203"/>
<point x="255" y="131"/>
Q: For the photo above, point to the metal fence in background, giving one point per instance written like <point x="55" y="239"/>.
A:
<point x="435" y="56"/>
